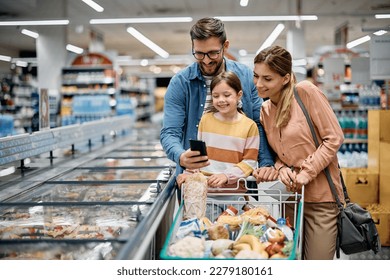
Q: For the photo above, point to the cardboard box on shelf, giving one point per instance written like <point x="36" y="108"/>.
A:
<point x="382" y="222"/>
<point x="384" y="174"/>
<point x="384" y="190"/>
<point x="362" y="185"/>
<point x="378" y="124"/>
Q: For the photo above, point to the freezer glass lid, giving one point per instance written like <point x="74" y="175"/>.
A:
<point x="116" y="174"/>
<point x="72" y="221"/>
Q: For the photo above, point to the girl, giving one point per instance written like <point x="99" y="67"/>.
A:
<point x="232" y="139"/>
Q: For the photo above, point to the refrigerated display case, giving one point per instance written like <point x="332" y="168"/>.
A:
<point x="66" y="197"/>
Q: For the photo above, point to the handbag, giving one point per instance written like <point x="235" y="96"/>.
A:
<point x="356" y="228"/>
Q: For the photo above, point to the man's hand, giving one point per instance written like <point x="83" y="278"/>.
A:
<point x="192" y="160"/>
<point x="265" y="174"/>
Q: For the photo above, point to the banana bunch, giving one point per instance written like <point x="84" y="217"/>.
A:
<point x="248" y="244"/>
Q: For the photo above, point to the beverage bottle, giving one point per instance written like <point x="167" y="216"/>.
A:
<point x="282" y="225"/>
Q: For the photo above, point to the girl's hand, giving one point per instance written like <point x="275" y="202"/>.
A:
<point x="180" y="179"/>
<point x="217" y="180"/>
<point x="265" y="174"/>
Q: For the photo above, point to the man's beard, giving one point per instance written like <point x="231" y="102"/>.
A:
<point x="216" y="68"/>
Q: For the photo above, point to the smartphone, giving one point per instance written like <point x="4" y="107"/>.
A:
<point x="198" y="145"/>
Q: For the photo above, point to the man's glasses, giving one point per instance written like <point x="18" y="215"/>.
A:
<point x="211" y="54"/>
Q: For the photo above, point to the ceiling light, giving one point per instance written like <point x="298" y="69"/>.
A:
<point x="244" y="3"/>
<point x="144" y="62"/>
<point x="147" y="42"/>
<point x="242" y="52"/>
<point x="268" y="18"/>
<point x="74" y="49"/>
<point x="5" y="58"/>
<point x="382" y="16"/>
<point x="94" y="5"/>
<point x="272" y="37"/>
<point x="357" y="42"/>
<point x="140" y="20"/>
<point x="380" y="32"/>
<point x="30" y="33"/>
<point x="21" y="63"/>
<point x="34" y="22"/>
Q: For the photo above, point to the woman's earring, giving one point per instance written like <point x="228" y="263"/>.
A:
<point x="239" y="104"/>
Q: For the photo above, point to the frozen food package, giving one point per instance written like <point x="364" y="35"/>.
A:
<point x="195" y="195"/>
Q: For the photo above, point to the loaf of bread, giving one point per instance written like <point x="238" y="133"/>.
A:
<point x="195" y="195"/>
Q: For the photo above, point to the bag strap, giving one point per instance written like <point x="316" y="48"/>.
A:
<point x="326" y="170"/>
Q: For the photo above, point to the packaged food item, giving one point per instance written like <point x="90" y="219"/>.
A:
<point x="195" y="195"/>
<point x="229" y="211"/>
<point x="247" y="206"/>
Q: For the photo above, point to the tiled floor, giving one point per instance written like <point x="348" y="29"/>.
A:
<point x="384" y="254"/>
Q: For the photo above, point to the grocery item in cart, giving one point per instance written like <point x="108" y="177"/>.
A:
<point x="195" y="195"/>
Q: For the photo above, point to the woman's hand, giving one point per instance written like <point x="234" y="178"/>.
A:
<point x="288" y="177"/>
<point x="217" y="180"/>
<point x="265" y="174"/>
<point x="301" y="181"/>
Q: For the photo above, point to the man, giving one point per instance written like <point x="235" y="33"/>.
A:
<point x="188" y="96"/>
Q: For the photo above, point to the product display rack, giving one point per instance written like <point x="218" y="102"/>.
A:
<point x="69" y="199"/>
<point x="144" y="101"/>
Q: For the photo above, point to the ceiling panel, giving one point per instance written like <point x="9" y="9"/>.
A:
<point x="174" y="38"/>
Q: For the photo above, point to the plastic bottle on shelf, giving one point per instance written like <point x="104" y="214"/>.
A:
<point x="342" y="121"/>
<point x="282" y="225"/>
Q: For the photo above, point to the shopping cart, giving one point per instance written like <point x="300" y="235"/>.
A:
<point x="277" y="201"/>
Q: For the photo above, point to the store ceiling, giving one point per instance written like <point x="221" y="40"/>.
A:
<point x="357" y="15"/>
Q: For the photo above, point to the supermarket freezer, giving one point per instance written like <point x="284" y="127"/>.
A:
<point x="88" y="205"/>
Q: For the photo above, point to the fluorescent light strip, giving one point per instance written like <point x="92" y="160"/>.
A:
<point x="140" y="20"/>
<point x="5" y="58"/>
<point x="94" y="5"/>
<point x="380" y="32"/>
<point x="382" y="16"/>
<point x="147" y="42"/>
<point x="30" y="33"/>
<point x="21" y="63"/>
<point x="267" y="18"/>
<point x="357" y="42"/>
<point x="34" y="22"/>
<point x="74" y="49"/>
<point x="272" y="37"/>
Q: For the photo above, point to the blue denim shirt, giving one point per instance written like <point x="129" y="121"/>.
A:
<point x="184" y="106"/>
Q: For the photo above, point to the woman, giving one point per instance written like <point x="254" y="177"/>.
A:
<point x="298" y="161"/>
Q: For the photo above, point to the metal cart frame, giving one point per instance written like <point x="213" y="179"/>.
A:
<point x="276" y="208"/>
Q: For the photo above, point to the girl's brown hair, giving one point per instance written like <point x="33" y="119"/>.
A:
<point x="279" y="60"/>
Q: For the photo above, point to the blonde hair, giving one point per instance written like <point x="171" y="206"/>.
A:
<point x="279" y="60"/>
